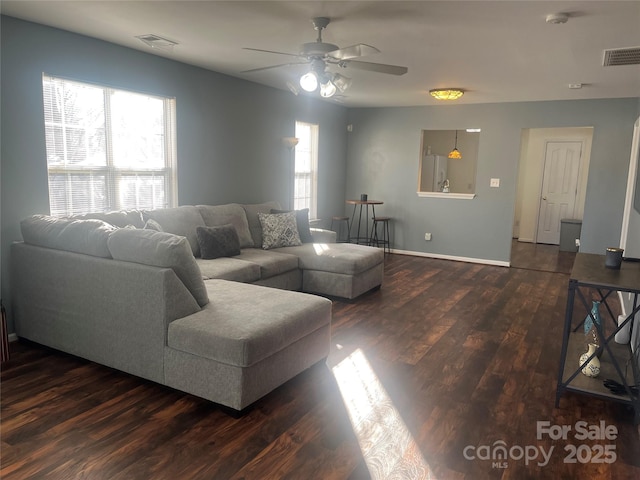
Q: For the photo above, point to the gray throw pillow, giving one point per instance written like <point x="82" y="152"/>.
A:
<point x="279" y="230"/>
<point x="302" y="221"/>
<point x="216" y="242"/>
<point x="213" y="216"/>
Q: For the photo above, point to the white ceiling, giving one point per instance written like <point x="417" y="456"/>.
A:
<point x="499" y="51"/>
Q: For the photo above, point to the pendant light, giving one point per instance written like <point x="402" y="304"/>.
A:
<point x="455" y="153"/>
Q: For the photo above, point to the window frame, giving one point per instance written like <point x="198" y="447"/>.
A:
<point x="113" y="174"/>
<point x="312" y="174"/>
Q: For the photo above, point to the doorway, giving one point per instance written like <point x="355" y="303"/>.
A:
<point x="552" y="181"/>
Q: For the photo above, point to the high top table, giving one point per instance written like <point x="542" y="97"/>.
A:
<point x="617" y="362"/>
<point x="359" y="238"/>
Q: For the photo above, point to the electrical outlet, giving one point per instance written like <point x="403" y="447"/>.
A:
<point x="427" y="236"/>
<point x="494" y="183"/>
<point x="577" y="242"/>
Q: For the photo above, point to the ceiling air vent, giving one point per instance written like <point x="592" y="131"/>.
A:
<point x="621" y="56"/>
<point x="155" y="41"/>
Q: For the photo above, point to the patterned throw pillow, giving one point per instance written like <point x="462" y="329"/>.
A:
<point x="279" y="230"/>
<point x="302" y="220"/>
<point x="216" y="242"/>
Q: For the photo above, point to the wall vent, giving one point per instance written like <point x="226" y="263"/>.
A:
<point x="156" y="41"/>
<point x="621" y="56"/>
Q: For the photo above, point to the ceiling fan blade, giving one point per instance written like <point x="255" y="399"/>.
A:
<point x="376" y="67"/>
<point x="273" y="66"/>
<point x="271" y="51"/>
<point x="354" y="51"/>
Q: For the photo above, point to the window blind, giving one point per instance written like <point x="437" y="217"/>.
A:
<point x="108" y="149"/>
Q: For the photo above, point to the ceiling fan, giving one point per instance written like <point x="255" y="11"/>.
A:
<point x="319" y="55"/>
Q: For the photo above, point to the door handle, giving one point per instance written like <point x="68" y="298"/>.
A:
<point x="544" y="198"/>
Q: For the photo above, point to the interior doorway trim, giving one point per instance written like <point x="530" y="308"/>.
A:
<point x="531" y="170"/>
<point x="631" y="182"/>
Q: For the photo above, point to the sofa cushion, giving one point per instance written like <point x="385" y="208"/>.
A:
<point x="229" y="268"/>
<point x="216" y="242"/>
<point x="120" y="218"/>
<point x="151" y="224"/>
<point x="80" y="236"/>
<point x="255" y="227"/>
<point x="345" y="258"/>
<point x="235" y="331"/>
<point x="233" y="213"/>
<point x="302" y="221"/>
<point x="160" y="249"/>
<point x="269" y="262"/>
<point x="279" y="230"/>
<point x="179" y="221"/>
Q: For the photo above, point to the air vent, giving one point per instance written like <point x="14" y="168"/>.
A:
<point x="621" y="56"/>
<point x="155" y="41"/>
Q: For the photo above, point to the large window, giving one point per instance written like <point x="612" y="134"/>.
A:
<point x="107" y="149"/>
<point x="306" y="168"/>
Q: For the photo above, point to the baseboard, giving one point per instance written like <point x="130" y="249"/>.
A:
<point x="484" y="261"/>
<point x="12" y="337"/>
<point x="525" y="240"/>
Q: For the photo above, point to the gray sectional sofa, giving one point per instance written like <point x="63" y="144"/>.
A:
<point x="144" y="301"/>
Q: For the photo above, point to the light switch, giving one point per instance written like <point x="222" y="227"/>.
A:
<point x="495" y="182"/>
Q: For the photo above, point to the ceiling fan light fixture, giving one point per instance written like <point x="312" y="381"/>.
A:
<point x="341" y="82"/>
<point x="446" y="93"/>
<point x="328" y="89"/>
<point x="309" y="82"/>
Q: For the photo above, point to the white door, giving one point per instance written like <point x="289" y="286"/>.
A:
<point x="559" y="188"/>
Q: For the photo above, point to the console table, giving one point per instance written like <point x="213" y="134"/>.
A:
<point x="617" y="361"/>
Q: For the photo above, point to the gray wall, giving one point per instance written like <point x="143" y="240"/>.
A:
<point x="230" y="149"/>
<point x="229" y="131"/>
<point x="384" y="151"/>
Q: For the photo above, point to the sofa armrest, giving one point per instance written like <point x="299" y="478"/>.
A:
<point x="321" y="235"/>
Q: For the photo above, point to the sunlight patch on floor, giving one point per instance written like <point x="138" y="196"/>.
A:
<point x="388" y="448"/>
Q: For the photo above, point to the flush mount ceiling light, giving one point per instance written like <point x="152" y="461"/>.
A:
<point x="446" y="93"/>
<point x="455" y="153"/>
<point x="557" y="18"/>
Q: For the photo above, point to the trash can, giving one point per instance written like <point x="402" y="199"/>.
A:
<point x="570" y="229"/>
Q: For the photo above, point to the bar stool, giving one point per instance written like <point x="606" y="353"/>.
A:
<point x="340" y="223"/>
<point x="386" y="238"/>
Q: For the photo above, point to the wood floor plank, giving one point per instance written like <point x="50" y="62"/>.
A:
<point x="446" y="355"/>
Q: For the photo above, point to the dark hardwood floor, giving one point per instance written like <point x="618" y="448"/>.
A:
<point x="446" y="359"/>
<point x="538" y="256"/>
